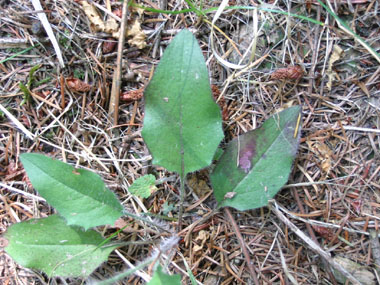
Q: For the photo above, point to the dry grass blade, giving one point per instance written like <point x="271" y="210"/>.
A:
<point x="16" y="122"/>
<point x="347" y="30"/>
<point x="313" y="245"/>
<point x="213" y="26"/>
<point x="49" y="30"/>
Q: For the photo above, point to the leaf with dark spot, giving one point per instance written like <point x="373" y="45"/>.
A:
<point x="257" y="164"/>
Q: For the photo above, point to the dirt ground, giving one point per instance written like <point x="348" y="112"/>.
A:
<point x="323" y="223"/>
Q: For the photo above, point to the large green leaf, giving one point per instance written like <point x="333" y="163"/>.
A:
<point x="182" y="123"/>
<point x="161" y="278"/>
<point x="79" y="195"/>
<point x="257" y="164"/>
<point x="50" y="245"/>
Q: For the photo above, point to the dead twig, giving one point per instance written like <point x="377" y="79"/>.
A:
<point x="251" y="267"/>
<point x="116" y="82"/>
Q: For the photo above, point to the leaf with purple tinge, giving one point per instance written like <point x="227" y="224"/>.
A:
<point x="257" y="164"/>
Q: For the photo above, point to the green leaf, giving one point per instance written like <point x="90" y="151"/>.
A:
<point x="79" y="195"/>
<point x="257" y="164"/>
<point x="166" y="208"/>
<point x="143" y="186"/>
<point x="31" y="75"/>
<point x="161" y="278"/>
<point x="50" y="245"/>
<point x="25" y="90"/>
<point x="182" y="123"/>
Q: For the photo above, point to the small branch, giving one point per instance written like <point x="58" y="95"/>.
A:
<point x="116" y="82"/>
<point x="62" y="85"/>
<point x="243" y="246"/>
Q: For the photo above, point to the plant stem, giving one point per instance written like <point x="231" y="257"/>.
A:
<point x="182" y="198"/>
<point x="251" y="267"/>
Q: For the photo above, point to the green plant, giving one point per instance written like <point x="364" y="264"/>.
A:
<point x="160" y="277"/>
<point x="182" y="128"/>
<point x="79" y="73"/>
<point x="182" y="123"/>
<point x="58" y="245"/>
<point x="29" y="84"/>
<point x="63" y="245"/>
<point x="64" y="39"/>
<point x="17" y="54"/>
<point x="50" y="245"/>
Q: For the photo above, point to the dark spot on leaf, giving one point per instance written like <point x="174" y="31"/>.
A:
<point x="245" y="156"/>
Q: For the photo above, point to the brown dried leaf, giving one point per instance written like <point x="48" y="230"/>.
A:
<point x="326" y="233"/>
<point x="197" y="183"/>
<point x="96" y="22"/>
<point x="109" y="45"/>
<point x="335" y="56"/>
<point x="111" y="26"/>
<point x="120" y="223"/>
<point x="202" y="237"/>
<point x="323" y="152"/>
<point x="137" y="34"/>
<point x="290" y="72"/>
<point x="77" y="85"/>
<point x="132" y="95"/>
